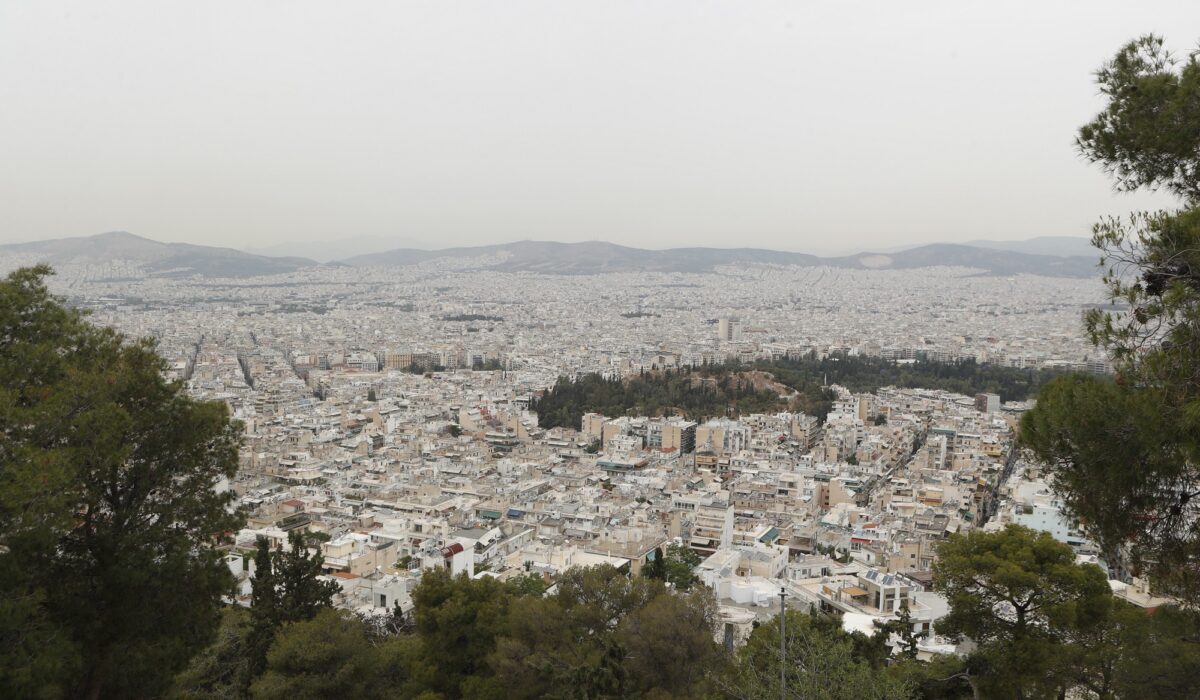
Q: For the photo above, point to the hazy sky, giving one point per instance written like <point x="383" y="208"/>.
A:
<point x="793" y="125"/>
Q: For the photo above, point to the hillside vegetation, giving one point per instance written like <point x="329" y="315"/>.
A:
<point x="788" y="384"/>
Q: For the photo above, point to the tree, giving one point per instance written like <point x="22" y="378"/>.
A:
<point x="669" y="643"/>
<point x="219" y="670"/>
<point x="902" y="626"/>
<point x="109" y="510"/>
<point x="1159" y="653"/>
<point x="330" y="656"/>
<point x="656" y="568"/>
<point x="943" y="677"/>
<point x="1020" y="596"/>
<point x="265" y="616"/>
<point x="820" y="665"/>
<point x="676" y="567"/>
<point x="1090" y="433"/>
<point x="605" y="635"/>
<point x="598" y="597"/>
<point x="302" y="593"/>
<point x="458" y="620"/>
<point x="285" y="589"/>
<point x="1147" y="136"/>
<point x="527" y="585"/>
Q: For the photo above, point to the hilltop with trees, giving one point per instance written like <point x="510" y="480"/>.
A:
<point x="799" y="384"/>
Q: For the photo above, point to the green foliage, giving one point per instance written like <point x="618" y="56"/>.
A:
<point x="903" y="627"/>
<point x="527" y="585"/>
<point x="1021" y="597"/>
<point x="867" y="374"/>
<point x="107" y="505"/>
<point x="668" y="644"/>
<point x="721" y="390"/>
<point x="301" y="594"/>
<point x="943" y="677"/>
<point x="821" y="664"/>
<point x="458" y="620"/>
<point x="677" y="566"/>
<point x="652" y="394"/>
<point x="1126" y="459"/>
<point x="604" y="635"/>
<point x="285" y="589"/>
<point x="315" y="538"/>
<point x="1152" y="269"/>
<point x="220" y="670"/>
<point x="1144" y="655"/>
<point x="1149" y="134"/>
<point x="331" y="656"/>
<point x="36" y="659"/>
<point x="1013" y="583"/>
<point x="1089" y="433"/>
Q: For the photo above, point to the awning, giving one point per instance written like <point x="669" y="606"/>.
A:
<point x="854" y="591"/>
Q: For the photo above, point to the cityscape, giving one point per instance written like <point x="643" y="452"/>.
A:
<point x="599" y="351"/>
<point x="392" y="410"/>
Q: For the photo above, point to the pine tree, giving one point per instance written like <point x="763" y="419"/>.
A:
<point x="108" y="508"/>
<point x="285" y="589"/>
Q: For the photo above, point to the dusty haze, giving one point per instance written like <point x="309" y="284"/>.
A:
<point x="847" y="126"/>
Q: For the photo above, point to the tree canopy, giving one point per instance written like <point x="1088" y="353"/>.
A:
<point x="1045" y="626"/>
<point x="1126" y="459"/>
<point x="822" y="663"/>
<point x="1149" y="133"/>
<point x="729" y="389"/>
<point x="108" y="505"/>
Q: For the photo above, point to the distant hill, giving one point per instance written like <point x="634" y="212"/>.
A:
<point x="1064" y="246"/>
<point x="591" y="257"/>
<point x="596" y="257"/>
<point x="155" y="258"/>
<point x="327" y="250"/>
<point x="996" y="262"/>
<point x="545" y="257"/>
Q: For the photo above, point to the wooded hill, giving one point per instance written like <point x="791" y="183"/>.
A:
<point x="799" y="384"/>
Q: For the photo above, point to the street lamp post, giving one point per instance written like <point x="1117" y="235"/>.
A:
<point x="782" y="644"/>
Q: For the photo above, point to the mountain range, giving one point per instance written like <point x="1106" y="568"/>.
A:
<point x="1066" y="246"/>
<point x="155" y="258"/>
<point x="595" y="257"/>
<point x="592" y="257"/>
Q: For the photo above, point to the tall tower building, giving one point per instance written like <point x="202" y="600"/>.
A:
<point x="729" y="329"/>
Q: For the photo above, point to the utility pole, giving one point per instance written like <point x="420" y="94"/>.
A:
<point x="782" y="644"/>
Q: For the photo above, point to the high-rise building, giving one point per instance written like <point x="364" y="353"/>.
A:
<point x="729" y="329"/>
